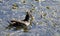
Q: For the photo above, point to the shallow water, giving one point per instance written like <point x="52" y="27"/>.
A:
<point x="45" y="23"/>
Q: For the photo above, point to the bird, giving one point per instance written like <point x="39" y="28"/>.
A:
<point x="22" y="23"/>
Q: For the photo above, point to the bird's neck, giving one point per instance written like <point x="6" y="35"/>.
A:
<point x="26" y="18"/>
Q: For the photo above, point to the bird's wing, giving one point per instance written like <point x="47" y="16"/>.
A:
<point x="19" y="21"/>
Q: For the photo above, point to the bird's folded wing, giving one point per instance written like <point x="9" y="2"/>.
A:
<point x="19" y="21"/>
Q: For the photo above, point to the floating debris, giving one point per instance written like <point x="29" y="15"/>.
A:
<point x="14" y="6"/>
<point x="44" y="14"/>
<point x="24" y="2"/>
<point x="48" y="7"/>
